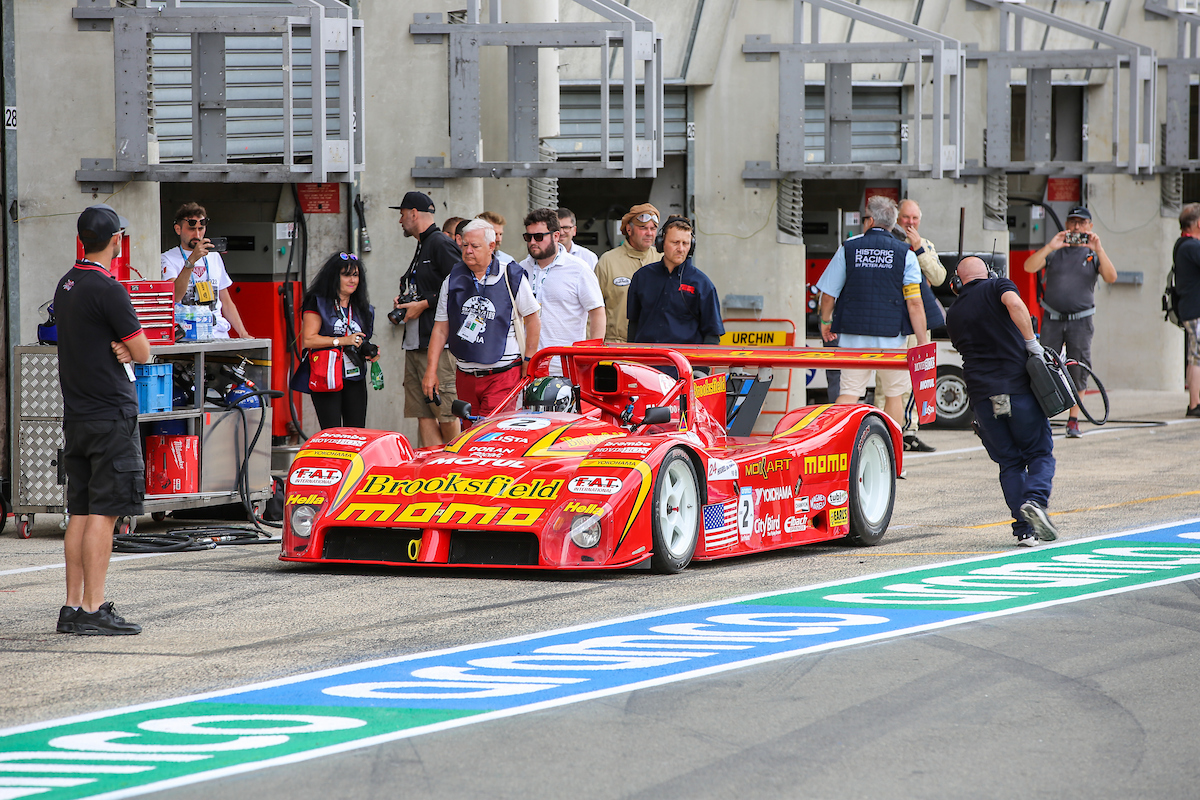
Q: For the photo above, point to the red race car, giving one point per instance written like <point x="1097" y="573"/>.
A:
<point x="615" y="465"/>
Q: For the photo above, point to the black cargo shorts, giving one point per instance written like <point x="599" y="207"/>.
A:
<point x="102" y="459"/>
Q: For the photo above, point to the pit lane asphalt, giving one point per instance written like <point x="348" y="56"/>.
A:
<point x="1094" y="699"/>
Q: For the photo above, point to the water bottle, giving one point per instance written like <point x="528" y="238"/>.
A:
<point x="376" y="375"/>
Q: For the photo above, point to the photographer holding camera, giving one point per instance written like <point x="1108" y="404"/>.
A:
<point x="199" y="274"/>
<point x="338" y="314"/>
<point x="435" y="256"/>
<point x="1072" y="260"/>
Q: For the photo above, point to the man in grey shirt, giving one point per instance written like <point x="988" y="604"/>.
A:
<point x="1072" y="260"/>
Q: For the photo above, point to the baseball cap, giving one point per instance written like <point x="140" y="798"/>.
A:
<point x="1081" y="212"/>
<point x="98" y="223"/>
<point x="418" y="200"/>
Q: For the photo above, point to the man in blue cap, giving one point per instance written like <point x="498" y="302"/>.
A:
<point x="98" y="336"/>
<point x="1072" y="259"/>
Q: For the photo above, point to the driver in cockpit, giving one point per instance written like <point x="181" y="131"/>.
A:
<point x="551" y="394"/>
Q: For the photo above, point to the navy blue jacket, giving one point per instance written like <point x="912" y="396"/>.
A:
<point x="872" y="301"/>
<point x="992" y="349"/>
<point x="679" y="307"/>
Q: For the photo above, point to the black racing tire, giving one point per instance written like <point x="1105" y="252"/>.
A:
<point x="872" y="482"/>
<point x="676" y="514"/>
<point x="950" y="397"/>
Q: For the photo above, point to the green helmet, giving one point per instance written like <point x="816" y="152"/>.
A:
<point x="551" y="394"/>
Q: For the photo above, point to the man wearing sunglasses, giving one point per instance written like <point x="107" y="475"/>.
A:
<point x="199" y="273"/>
<point x="615" y="269"/>
<point x="565" y="287"/>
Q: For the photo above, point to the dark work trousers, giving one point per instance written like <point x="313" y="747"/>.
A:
<point x="1022" y="446"/>
<point x="347" y="408"/>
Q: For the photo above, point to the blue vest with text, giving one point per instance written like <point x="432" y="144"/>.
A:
<point x="480" y="316"/>
<point x="872" y="301"/>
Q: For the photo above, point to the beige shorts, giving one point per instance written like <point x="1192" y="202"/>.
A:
<point x="415" y="362"/>
<point x="888" y="382"/>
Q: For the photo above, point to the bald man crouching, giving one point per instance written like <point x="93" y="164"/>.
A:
<point x="989" y="326"/>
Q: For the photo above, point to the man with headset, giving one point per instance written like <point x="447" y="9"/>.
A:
<point x="671" y="301"/>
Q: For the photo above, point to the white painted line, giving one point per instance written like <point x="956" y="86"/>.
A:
<point x="1093" y="432"/>
<point x="62" y="566"/>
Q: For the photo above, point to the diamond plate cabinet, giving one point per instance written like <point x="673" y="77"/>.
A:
<point x="38" y="481"/>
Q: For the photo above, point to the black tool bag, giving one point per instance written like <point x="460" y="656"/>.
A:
<point x="1051" y="383"/>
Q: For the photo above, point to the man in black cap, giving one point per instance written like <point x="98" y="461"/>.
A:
<point x="98" y="336"/>
<point x="1072" y="260"/>
<point x="435" y="256"/>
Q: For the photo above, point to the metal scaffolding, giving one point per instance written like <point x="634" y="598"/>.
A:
<point x="640" y="155"/>
<point x="1181" y="137"/>
<point x="335" y="110"/>
<point x="935" y="140"/>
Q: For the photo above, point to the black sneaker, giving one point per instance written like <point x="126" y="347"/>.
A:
<point x="66" y="619"/>
<point x="913" y="444"/>
<point x="1039" y="520"/>
<point x="1194" y="411"/>
<point x="104" y="622"/>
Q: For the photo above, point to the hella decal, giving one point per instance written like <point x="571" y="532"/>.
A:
<point x="575" y="507"/>
<point x="721" y="469"/>
<point x="795" y="524"/>
<point x="594" y="484"/>
<point x="838" y="498"/>
<point x="315" y="476"/>
<point x="307" y="500"/>
<point x="817" y="502"/>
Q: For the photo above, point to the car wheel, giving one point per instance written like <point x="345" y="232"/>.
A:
<point x="676" y="510"/>
<point x="872" y="482"/>
<point x="953" y="405"/>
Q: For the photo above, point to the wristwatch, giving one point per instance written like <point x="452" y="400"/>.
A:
<point x="337" y="342"/>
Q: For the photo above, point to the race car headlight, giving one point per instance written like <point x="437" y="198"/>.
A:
<point x="302" y="520"/>
<point x="585" y="530"/>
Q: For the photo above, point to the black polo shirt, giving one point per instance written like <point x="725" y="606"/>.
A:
<point x="436" y="255"/>
<point x="91" y="311"/>
<point x="992" y="349"/>
<point x="1187" y="276"/>
<point x="679" y="307"/>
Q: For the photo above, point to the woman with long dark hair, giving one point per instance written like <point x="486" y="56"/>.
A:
<point x="338" y="314"/>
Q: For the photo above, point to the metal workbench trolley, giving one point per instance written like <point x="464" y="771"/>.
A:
<point x="38" y="479"/>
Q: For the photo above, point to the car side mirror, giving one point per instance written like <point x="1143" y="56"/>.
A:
<point x="656" y="415"/>
<point x="461" y="409"/>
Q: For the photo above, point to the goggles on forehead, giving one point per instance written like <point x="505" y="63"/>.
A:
<point x="646" y="217"/>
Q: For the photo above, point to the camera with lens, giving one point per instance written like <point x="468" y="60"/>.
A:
<point x="368" y="350"/>
<point x="1076" y="238"/>
<point x="396" y="315"/>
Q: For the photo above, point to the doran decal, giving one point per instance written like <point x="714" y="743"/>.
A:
<point x="594" y="484"/>
<point x="315" y="476"/>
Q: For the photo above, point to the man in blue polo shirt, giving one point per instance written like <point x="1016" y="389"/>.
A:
<point x="670" y="301"/>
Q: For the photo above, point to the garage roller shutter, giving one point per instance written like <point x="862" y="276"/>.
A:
<point x="579" y="121"/>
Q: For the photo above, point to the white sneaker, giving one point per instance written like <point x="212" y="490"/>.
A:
<point x="1028" y="540"/>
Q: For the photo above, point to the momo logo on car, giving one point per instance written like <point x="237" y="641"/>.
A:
<point x="455" y="483"/>
<point x="838" y="498"/>
<point x="817" y="465"/>
<point x="443" y="513"/>
<point x="594" y="484"/>
<point x="315" y="476"/>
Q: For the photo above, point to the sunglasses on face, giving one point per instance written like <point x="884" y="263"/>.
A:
<point x="195" y="223"/>
<point x="347" y="257"/>
<point x="534" y="237"/>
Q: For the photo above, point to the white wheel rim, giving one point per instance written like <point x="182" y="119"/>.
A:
<point x="678" y="511"/>
<point x="874" y="480"/>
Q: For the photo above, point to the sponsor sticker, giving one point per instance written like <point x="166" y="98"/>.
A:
<point x="523" y="424"/>
<point x="773" y="494"/>
<point x="621" y="280"/>
<point x="795" y="524"/>
<point x="800" y="505"/>
<point x="765" y="466"/>
<point x="817" y="502"/>
<point x="315" y="476"/>
<point x="838" y="498"/>
<point x="838" y="516"/>
<point x="594" y="484"/>
<point x="745" y="513"/>
<point x="722" y="469"/>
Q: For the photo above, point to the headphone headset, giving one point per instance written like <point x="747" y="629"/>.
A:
<point x="956" y="283"/>
<point x="662" y="233"/>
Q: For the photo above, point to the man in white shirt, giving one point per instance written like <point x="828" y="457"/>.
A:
<point x="565" y="287"/>
<point x="478" y="309"/>
<point x="199" y="273"/>
<point x="566" y="237"/>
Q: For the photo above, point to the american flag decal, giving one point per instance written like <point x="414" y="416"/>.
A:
<point x="720" y="526"/>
